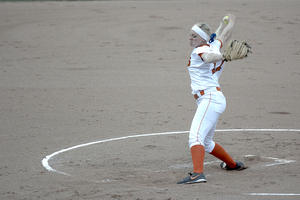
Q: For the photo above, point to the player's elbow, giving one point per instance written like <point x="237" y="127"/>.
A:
<point x="211" y="57"/>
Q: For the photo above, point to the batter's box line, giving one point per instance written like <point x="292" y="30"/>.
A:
<point x="278" y="161"/>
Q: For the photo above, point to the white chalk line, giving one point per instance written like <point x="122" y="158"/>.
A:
<point x="277" y="160"/>
<point x="45" y="161"/>
<point x="271" y="194"/>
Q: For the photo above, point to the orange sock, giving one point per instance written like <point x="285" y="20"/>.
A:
<point x="198" y="153"/>
<point x="220" y="153"/>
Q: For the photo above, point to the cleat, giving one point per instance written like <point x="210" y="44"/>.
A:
<point x="193" y="178"/>
<point x="239" y="166"/>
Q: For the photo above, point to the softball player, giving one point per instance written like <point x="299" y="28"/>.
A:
<point x="205" y="67"/>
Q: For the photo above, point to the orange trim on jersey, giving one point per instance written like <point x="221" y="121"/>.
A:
<point x="189" y="63"/>
<point x="200" y="54"/>
<point x="218" y="68"/>
<point x="221" y="43"/>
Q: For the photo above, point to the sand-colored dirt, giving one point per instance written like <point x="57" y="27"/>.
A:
<point x="78" y="72"/>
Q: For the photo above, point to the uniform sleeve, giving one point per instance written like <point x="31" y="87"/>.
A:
<point x="203" y="49"/>
<point x="218" y="44"/>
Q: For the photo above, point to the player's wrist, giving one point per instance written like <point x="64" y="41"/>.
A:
<point x="221" y="57"/>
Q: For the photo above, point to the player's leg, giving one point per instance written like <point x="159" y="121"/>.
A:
<point x="221" y="154"/>
<point x="217" y="150"/>
<point x="204" y="120"/>
<point x="216" y="107"/>
<point x="228" y="162"/>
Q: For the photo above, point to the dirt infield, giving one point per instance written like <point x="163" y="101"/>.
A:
<point x="114" y="73"/>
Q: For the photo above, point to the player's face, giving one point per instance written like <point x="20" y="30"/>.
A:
<point x="195" y="39"/>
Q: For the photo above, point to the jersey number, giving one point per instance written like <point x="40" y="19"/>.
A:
<point x="214" y="70"/>
<point x="189" y="63"/>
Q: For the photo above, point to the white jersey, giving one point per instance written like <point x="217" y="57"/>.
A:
<point x="205" y="75"/>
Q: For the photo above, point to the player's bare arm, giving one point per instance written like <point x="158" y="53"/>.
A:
<point x="211" y="57"/>
<point x="228" y="30"/>
<point x="224" y="37"/>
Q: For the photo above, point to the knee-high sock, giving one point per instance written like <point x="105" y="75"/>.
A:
<point x="220" y="153"/>
<point x="198" y="153"/>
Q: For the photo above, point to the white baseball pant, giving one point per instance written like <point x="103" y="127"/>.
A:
<point x="210" y="107"/>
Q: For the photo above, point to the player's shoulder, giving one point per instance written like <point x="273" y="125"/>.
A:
<point x="218" y="43"/>
<point x="203" y="48"/>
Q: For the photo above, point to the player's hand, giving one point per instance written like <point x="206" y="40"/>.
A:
<point x="231" y="17"/>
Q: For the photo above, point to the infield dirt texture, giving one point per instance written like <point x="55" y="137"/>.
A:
<point x="72" y="73"/>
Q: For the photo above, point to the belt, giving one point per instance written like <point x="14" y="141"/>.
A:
<point x="202" y="92"/>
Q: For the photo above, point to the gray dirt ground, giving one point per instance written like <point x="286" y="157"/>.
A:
<point x="72" y="73"/>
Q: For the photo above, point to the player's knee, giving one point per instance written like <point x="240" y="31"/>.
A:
<point x="209" y="146"/>
<point x="195" y="142"/>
